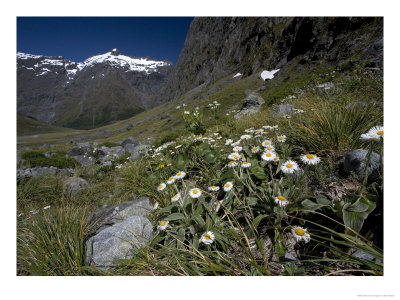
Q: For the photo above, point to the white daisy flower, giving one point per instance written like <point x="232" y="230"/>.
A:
<point x="228" y="142"/>
<point x="237" y="143"/>
<point x="195" y="193"/>
<point x="266" y="143"/>
<point x="232" y="164"/>
<point x="246" y="164"/>
<point x="301" y="234"/>
<point x="171" y="180"/>
<point x="289" y="167"/>
<point x="276" y="159"/>
<point x="310" y="159"/>
<point x="163" y="225"/>
<point x="186" y="112"/>
<point x="267" y="127"/>
<point x="46" y="207"/>
<point x="228" y="186"/>
<point x="268" y="156"/>
<point x="269" y="149"/>
<point x="179" y="175"/>
<point x="161" y="187"/>
<point x="155" y="205"/>
<point x="260" y="131"/>
<point x="245" y="137"/>
<point x="281" y="201"/>
<point x="237" y="149"/>
<point x="376" y="131"/>
<point x="207" y="238"/>
<point x="281" y="138"/>
<point x="178" y="107"/>
<point x="368" y="137"/>
<point x="234" y="156"/>
<point x="255" y="149"/>
<point x="275" y="127"/>
<point x="213" y="188"/>
<point x="176" y="197"/>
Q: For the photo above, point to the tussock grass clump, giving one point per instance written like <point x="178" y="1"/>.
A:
<point x="52" y="243"/>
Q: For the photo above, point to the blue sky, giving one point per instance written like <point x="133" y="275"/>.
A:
<point x="77" y="38"/>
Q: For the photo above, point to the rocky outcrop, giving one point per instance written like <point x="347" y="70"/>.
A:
<point x="219" y="46"/>
<point x="118" y="242"/>
<point x="120" y="230"/>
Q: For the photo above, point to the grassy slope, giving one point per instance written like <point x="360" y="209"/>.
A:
<point x="164" y="119"/>
<point x="27" y="126"/>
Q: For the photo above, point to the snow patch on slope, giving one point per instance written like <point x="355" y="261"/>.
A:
<point x="268" y="74"/>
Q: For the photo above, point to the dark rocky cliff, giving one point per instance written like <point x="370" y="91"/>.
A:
<point x="218" y="46"/>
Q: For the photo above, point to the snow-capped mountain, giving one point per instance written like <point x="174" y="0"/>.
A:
<point x="100" y="89"/>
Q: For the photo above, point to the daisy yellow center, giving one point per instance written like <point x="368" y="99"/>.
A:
<point x="179" y="174"/>
<point x="310" y="156"/>
<point x="380" y="132"/>
<point x="160" y="186"/>
<point x="195" y="192"/>
<point x="266" y="143"/>
<point x="281" y="137"/>
<point x="227" y="185"/>
<point x="207" y="237"/>
<point x="289" y="166"/>
<point x="269" y="148"/>
<point x="268" y="154"/>
<point x="213" y="187"/>
<point x="245" y="163"/>
<point x="163" y="223"/>
<point x="176" y="196"/>
<point x="300" y="231"/>
<point x="161" y="166"/>
<point x="281" y="198"/>
<point x="169" y="179"/>
<point x="231" y="162"/>
<point x="254" y="148"/>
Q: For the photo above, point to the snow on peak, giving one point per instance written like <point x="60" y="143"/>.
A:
<point x="115" y="49"/>
<point x="21" y="55"/>
<point x="268" y="74"/>
<point x="133" y="64"/>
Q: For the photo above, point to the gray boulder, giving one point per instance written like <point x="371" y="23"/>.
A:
<point x="130" y="140"/>
<point x="74" y="185"/>
<point x="85" y="160"/>
<point x="282" y="110"/>
<point x="133" y="150"/>
<point x="250" y="105"/>
<point x="110" y="215"/>
<point x="115" y="152"/>
<point x="38" y="171"/>
<point x="118" y="242"/>
<point x="355" y="161"/>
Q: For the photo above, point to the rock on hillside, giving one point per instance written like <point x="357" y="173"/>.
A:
<point x="84" y="95"/>
<point x="218" y="46"/>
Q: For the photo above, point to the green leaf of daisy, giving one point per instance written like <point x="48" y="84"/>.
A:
<point x="198" y="219"/>
<point x="311" y="205"/>
<point x="256" y="170"/>
<point x="174" y="217"/>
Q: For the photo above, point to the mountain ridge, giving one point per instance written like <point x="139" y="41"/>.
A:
<point x="103" y="88"/>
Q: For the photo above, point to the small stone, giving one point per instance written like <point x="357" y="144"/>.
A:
<point x="74" y="185"/>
